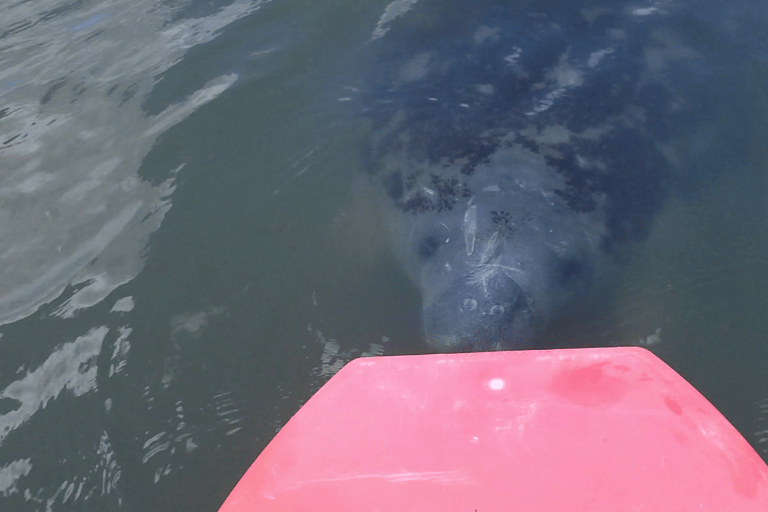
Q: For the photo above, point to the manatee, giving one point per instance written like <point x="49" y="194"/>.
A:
<point x="513" y="151"/>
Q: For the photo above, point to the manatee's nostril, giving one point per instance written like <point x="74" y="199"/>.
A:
<point x="469" y="305"/>
<point x="497" y="310"/>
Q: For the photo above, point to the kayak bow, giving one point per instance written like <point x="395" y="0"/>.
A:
<point x="598" y="430"/>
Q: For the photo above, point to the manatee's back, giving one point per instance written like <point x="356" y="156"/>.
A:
<point x="588" y="90"/>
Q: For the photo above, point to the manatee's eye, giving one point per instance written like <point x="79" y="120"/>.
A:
<point x="393" y="184"/>
<point x="428" y="246"/>
<point x="571" y="268"/>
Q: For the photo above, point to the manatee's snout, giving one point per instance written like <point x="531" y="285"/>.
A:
<point x="476" y="316"/>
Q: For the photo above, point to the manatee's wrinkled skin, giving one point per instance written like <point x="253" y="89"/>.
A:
<point x="513" y="150"/>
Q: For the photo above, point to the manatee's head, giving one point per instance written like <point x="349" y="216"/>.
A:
<point x="493" y="281"/>
<point x="482" y="310"/>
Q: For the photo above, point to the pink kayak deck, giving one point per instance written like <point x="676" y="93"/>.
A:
<point x="598" y="430"/>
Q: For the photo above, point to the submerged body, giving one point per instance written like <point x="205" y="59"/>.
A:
<point x="513" y="150"/>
